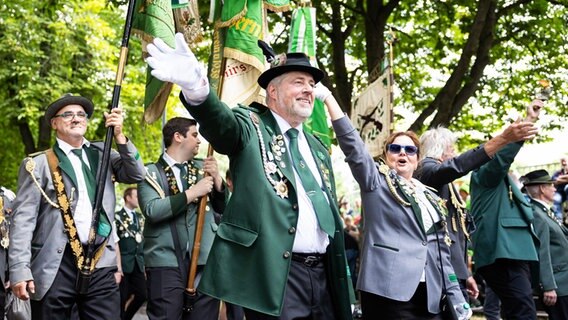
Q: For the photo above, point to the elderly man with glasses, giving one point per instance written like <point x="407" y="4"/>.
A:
<point x="53" y="214"/>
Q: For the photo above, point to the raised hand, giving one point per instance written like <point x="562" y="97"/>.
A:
<point x="321" y="92"/>
<point x="178" y="66"/>
<point x="116" y="119"/>
<point x="519" y="130"/>
<point x="533" y="110"/>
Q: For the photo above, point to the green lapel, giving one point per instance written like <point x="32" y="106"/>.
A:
<point x="93" y="156"/>
<point x="523" y="204"/>
<point x="272" y="129"/>
<point x="324" y="167"/>
<point x="415" y="207"/>
<point x="65" y="164"/>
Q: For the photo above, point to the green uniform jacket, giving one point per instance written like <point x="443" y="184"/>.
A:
<point x="159" y="210"/>
<point x="130" y="250"/>
<point x="502" y="214"/>
<point x="552" y="252"/>
<point x="250" y="259"/>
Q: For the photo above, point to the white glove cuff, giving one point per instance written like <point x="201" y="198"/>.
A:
<point x="197" y="95"/>
<point x="321" y="92"/>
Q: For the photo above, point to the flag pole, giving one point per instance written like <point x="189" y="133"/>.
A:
<point x="391" y="39"/>
<point x="84" y="274"/>
<point x="191" y="290"/>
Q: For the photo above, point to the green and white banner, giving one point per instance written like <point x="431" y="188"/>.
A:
<point x="303" y="39"/>
<point x="372" y="113"/>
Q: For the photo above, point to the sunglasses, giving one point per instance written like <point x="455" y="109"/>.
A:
<point x="69" y="115"/>
<point x="396" y="148"/>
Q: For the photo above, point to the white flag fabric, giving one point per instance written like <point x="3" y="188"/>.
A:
<point x="372" y="113"/>
<point x="239" y="83"/>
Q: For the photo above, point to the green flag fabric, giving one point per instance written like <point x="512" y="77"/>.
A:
<point x="161" y="19"/>
<point x="303" y="39"/>
<point x="154" y="19"/>
<point x="236" y="60"/>
<point x="302" y="31"/>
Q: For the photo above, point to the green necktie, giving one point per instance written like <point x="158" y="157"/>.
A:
<point x="89" y="177"/>
<point x="135" y="220"/>
<point x="312" y="187"/>
<point x="183" y="175"/>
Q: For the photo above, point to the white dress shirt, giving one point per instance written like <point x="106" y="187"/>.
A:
<point x="83" y="214"/>
<point x="310" y="238"/>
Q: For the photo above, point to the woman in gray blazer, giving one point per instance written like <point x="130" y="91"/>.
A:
<point x="405" y="229"/>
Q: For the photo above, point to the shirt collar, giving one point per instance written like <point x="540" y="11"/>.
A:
<point x="66" y="148"/>
<point x="169" y="160"/>
<point x="544" y="204"/>
<point x="285" y="126"/>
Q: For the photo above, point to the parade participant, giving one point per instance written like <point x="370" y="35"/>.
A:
<point x="561" y="190"/>
<point x="279" y="249"/>
<point x="169" y="198"/>
<point x="504" y="241"/>
<point x="405" y="255"/>
<point x="129" y="225"/>
<point x="6" y="199"/>
<point x="53" y="213"/>
<point x="553" y="244"/>
<point x="438" y="169"/>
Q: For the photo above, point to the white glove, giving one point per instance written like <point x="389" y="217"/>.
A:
<point x="321" y="91"/>
<point x="179" y="66"/>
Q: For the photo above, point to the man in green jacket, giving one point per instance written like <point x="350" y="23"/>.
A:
<point x="129" y="225"/>
<point x="504" y="241"/>
<point x="279" y="249"/>
<point x="169" y="198"/>
<point x="553" y="249"/>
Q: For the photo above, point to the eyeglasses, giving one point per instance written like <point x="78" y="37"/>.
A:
<point x="70" y="115"/>
<point x="396" y="148"/>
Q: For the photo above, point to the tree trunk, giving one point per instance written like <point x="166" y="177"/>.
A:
<point x="464" y="79"/>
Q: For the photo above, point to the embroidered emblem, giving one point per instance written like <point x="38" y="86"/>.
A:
<point x="326" y="177"/>
<point x="278" y="60"/>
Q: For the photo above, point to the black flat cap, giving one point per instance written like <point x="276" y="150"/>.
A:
<point x="68" y="99"/>
<point x="296" y="61"/>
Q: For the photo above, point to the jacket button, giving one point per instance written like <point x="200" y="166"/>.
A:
<point x="292" y="230"/>
<point x="59" y="250"/>
<point x="295" y="206"/>
<point x="424" y="243"/>
<point x="286" y="254"/>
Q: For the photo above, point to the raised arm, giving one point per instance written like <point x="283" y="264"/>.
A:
<point x="360" y="161"/>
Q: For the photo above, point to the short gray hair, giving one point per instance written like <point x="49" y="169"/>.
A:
<point x="435" y="141"/>
<point x="533" y="190"/>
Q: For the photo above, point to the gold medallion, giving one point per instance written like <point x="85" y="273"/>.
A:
<point x="281" y="189"/>
<point x="5" y="242"/>
<point x="447" y="240"/>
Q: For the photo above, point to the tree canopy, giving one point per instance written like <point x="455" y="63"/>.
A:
<point x="461" y="64"/>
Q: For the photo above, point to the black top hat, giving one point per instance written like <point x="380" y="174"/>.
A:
<point x="536" y="177"/>
<point x="68" y="99"/>
<point x="296" y="61"/>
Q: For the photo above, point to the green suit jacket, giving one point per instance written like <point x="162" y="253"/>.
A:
<point x="552" y="252"/>
<point x="131" y="252"/>
<point x="502" y="214"/>
<point x="250" y="259"/>
<point x="160" y="209"/>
